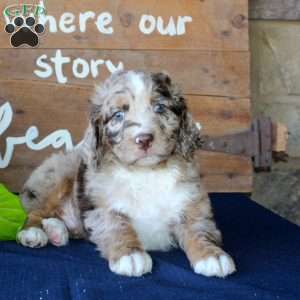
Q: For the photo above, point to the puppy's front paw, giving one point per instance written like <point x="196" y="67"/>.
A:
<point x="32" y="237"/>
<point x="219" y="266"/>
<point x="56" y="231"/>
<point x="135" y="264"/>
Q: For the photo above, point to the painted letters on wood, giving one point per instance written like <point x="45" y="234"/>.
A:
<point x="44" y="91"/>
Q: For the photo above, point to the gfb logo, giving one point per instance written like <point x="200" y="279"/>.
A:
<point x="23" y="23"/>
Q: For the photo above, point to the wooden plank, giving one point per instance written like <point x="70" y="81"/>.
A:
<point x="213" y="26"/>
<point x="214" y="163"/>
<point x="224" y="177"/>
<point x="275" y="9"/>
<point x="55" y="104"/>
<point x="227" y="184"/>
<point x="206" y="73"/>
<point x="51" y="107"/>
<point x="220" y="116"/>
<point x="225" y="173"/>
<point x="280" y="137"/>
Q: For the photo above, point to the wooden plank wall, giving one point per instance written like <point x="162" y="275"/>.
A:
<point x="210" y="61"/>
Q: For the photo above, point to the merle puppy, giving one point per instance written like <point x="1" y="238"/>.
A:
<point x="132" y="185"/>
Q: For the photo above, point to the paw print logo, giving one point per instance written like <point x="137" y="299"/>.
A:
<point x="24" y="31"/>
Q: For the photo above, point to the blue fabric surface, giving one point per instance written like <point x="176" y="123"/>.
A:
<point x="265" y="247"/>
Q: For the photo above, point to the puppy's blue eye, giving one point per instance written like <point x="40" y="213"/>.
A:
<point x="118" y="116"/>
<point x="159" y="108"/>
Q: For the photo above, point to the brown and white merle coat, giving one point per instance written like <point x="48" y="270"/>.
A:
<point x="132" y="185"/>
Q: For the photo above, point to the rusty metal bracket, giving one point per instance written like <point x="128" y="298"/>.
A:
<point x="256" y="143"/>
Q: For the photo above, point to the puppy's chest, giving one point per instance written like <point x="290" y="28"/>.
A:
<point x="154" y="201"/>
<point x="150" y="194"/>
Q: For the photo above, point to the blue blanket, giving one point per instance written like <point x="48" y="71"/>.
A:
<point x="266" y="249"/>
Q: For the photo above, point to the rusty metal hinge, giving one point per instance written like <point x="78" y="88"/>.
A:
<point x="259" y="143"/>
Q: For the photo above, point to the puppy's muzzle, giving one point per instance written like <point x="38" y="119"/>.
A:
<point x="144" y="141"/>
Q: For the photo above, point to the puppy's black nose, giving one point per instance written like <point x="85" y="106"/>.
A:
<point x="144" y="140"/>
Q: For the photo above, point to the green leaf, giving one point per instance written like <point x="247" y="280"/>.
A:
<point x="12" y="214"/>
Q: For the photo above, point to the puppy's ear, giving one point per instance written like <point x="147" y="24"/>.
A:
<point x="162" y="83"/>
<point x="92" y="148"/>
<point x="164" y="86"/>
<point x="95" y="134"/>
<point x="96" y="117"/>
<point x="189" y="138"/>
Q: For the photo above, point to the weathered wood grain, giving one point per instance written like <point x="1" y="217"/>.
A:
<point x="228" y="176"/>
<point x="210" y="62"/>
<point x="219" y="115"/>
<point x="51" y="107"/>
<point x="228" y="184"/>
<point x="275" y="9"/>
<point x="214" y="26"/>
<point x="280" y="137"/>
<point x="206" y="73"/>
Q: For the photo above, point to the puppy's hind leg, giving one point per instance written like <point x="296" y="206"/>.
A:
<point x="43" y="223"/>
<point x="46" y="229"/>
<point x="52" y="229"/>
<point x="56" y="231"/>
<point x="32" y="237"/>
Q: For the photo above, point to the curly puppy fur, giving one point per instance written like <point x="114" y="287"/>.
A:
<point x="132" y="185"/>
